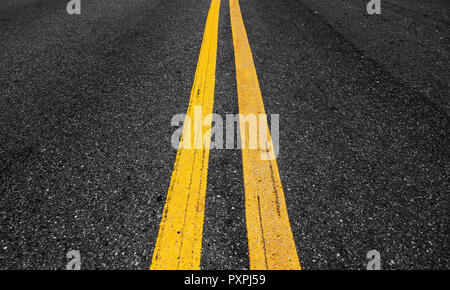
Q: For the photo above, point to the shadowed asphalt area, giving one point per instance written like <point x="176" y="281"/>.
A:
<point x="86" y="109"/>
<point x="364" y="157"/>
<point x="86" y="103"/>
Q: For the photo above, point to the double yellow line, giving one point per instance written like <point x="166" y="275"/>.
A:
<point x="270" y="239"/>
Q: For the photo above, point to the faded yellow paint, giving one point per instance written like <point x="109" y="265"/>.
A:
<point x="179" y="241"/>
<point x="270" y="240"/>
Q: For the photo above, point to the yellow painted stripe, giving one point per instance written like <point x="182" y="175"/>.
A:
<point x="179" y="241"/>
<point x="270" y="240"/>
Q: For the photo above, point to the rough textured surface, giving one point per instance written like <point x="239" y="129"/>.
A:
<point x="86" y="103"/>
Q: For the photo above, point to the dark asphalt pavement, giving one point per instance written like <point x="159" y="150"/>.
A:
<point x="86" y="103"/>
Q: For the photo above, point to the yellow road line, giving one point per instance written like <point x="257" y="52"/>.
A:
<point x="270" y="240"/>
<point x="179" y="241"/>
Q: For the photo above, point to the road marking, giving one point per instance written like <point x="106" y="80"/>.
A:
<point x="179" y="241"/>
<point x="270" y="240"/>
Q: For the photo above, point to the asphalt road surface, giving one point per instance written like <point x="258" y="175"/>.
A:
<point x="87" y="100"/>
